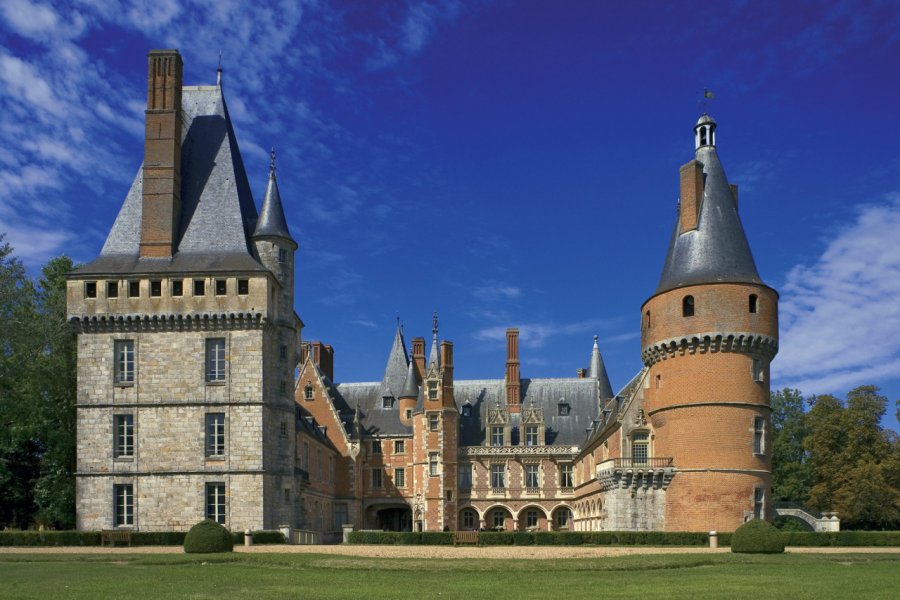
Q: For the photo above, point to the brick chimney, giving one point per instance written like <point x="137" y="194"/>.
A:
<point x="418" y="351"/>
<point x="321" y="355"/>
<point x="162" y="155"/>
<point x="691" y="195"/>
<point x="512" y="370"/>
<point x="447" y="374"/>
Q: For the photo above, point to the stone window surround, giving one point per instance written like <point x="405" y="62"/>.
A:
<point x="758" y="431"/>
<point x="215" y="374"/>
<point x="399" y="446"/>
<point x="215" y="501"/>
<point x="566" y="475"/>
<point x="531" y="470"/>
<point x="124" y="362"/>
<point x="123" y="436"/>
<point x="123" y="505"/>
<point x="215" y="426"/>
<point x="400" y="477"/>
<point x="377" y="479"/>
<point x="433" y="421"/>
<point x="434" y="464"/>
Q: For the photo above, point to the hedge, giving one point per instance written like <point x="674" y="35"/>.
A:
<point x="401" y="538"/>
<point x="842" y="538"/>
<point x="757" y="537"/>
<point x="273" y="536"/>
<point x="138" y="538"/>
<point x="208" y="536"/>
<point x="539" y="538"/>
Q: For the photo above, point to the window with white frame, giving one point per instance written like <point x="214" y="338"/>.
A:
<point x="640" y="447"/>
<point x="565" y="476"/>
<point x="759" y="503"/>
<point x="563" y="516"/>
<point x="758" y="372"/>
<point x="469" y="519"/>
<point x="376" y="478"/>
<point x="215" y="434"/>
<point x="400" y="478"/>
<point x="308" y="392"/>
<point x="531" y="435"/>
<point x="433" y="421"/>
<point x="433" y="468"/>
<point x="496" y="436"/>
<point x="123" y="436"/>
<point x="532" y="476"/>
<point x="215" y="502"/>
<point x="215" y="360"/>
<point x="387" y="402"/>
<point x="759" y="435"/>
<point x="432" y="390"/>
<point x="399" y="446"/>
<point x="123" y="510"/>
<point x="531" y="518"/>
<point x="465" y="476"/>
<point x="498" y="476"/>
<point x="124" y="370"/>
<point x="499" y="519"/>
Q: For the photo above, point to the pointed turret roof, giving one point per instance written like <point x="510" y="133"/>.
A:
<point x="271" y="221"/>
<point x="411" y="385"/>
<point x="395" y="370"/>
<point x="434" y="358"/>
<point x="717" y="250"/>
<point x="597" y="370"/>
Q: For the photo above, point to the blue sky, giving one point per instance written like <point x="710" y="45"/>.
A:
<point x="505" y="163"/>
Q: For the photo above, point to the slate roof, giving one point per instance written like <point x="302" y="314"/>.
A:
<point x="597" y="370"/>
<point x="717" y="251"/>
<point x="271" y="221"/>
<point x="218" y="211"/>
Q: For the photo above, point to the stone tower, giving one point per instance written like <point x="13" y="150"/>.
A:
<point x="708" y="334"/>
<point x="187" y="337"/>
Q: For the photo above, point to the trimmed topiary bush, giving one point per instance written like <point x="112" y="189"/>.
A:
<point x="757" y="537"/>
<point x="208" y="536"/>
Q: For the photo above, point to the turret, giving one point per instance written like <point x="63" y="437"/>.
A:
<point x="597" y="370"/>
<point x="708" y="335"/>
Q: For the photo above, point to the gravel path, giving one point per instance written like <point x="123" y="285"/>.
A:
<point x="469" y="552"/>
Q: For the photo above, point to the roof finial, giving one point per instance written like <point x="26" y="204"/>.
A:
<point x="707" y="95"/>
<point x="272" y="162"/>
<point x="434" y="323"/>
<point x="219" y="71"/>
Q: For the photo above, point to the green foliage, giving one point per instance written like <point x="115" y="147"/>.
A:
<point x="158" y="538"/>
<point x="757" y="537"/>
<point x="538" y="538"/>
<point x="402" y="538"/>
<point x="790" y="524"/>
<point x="842" y="538"/>
<point x="790" y="474"/>
<point x="263" y="536"/>
<point x="208" y="536"/>
<point x="49" y="538"/>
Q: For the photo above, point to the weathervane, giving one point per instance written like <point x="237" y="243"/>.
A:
<point x="707" y="96"/>
<point x="272" y="161"/>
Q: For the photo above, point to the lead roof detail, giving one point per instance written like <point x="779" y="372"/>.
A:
<point x="271" y="221"/>
<point x="717" y="250"/>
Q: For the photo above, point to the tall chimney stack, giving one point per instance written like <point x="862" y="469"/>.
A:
<point x="691" y="195"/>
<point x="512" y="370"/>
<point x="162" y="155"/>
<point x="418" y="351"/>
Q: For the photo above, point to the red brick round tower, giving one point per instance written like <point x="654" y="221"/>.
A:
<point x="708" y="334"/>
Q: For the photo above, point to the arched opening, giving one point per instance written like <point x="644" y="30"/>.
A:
<point x="468" y="520"/>
<point x="687" y="306"/>
<point x="754" y="303"/>
<point x="498" y="519"/>
<point x="562" y="519"/>
<point x="647" y="320"/>
<point x="532" y="518"/>
<point x="394" y="518"/>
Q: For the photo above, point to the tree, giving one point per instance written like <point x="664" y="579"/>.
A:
<point x="790" y="472"/>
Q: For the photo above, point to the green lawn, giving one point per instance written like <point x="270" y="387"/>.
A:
<point x="260" y="576"/>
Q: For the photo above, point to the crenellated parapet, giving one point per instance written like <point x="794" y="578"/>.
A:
<point x="743" y="342"/>
<point x="655" y="474"/>
<point x="168" y="322"/>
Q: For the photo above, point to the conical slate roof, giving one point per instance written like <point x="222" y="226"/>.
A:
<point x="597" y="370"/>
<point x="411" y="385"/>
<point x="271" y="217"/>
<point x="717" y="251"/>
<point x="396" y="368"/>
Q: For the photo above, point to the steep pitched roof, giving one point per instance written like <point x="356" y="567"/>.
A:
<point x="217" y="208"/>
<point x="271" y="221"/>
<point x="717" y="251"/>
<point x="597" y="370"/>
<point x="396" y="368"/>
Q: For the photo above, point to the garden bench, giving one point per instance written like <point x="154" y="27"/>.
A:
<point x="465" y="537"/>
<point x="115" y="535"/>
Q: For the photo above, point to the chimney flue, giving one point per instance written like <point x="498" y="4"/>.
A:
<point x="161" y="206"/>
<point x="691" y="195"/>
<point x="512" y="370"/>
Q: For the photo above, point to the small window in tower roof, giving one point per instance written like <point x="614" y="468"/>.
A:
<point x="387" y="402"/>
<point x="563" y="409"/>
<point x="467" y="410"/>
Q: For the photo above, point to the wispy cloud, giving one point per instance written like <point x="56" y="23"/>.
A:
<point x="364" y="322"/>
<point x="536" y="334"/>
<point x="421" y="20"/>
<point x="495" y="291"/>
<point x="840" y="317"/>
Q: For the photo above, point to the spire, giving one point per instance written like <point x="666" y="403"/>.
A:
<point x="219" y="72"/>
<point x="434" y="357"/>
<point x="271" y="217"/>
<point x="411" y="385"/>
<point x="597" y="370"/>
<point x="708" y="244"/>
<point x="395" y="370"/>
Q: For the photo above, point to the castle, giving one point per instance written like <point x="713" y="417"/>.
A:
<point x="188" y="404"/>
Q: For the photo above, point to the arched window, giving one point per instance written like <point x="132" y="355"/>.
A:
<point x="703" y="136"/>
<point x="647" y="320"/>
<point x="687" y="306"/>
<point x="754" y="303"/>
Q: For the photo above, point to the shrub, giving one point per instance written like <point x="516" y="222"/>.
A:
<point x="208" y="536"/>
<point x="436" y="538"/>
<point x="49" y="538"/>
<point x="757" y="537"/>
<point x="158" y="538"/>
<point x="842" y="538"/>
<point x="263" y="536"/>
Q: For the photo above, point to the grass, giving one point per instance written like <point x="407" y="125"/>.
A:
<point x="261" y="576"/>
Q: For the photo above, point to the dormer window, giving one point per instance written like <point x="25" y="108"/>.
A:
<point x="687" y="306"/>
<point x="563" y="409"/>
<point x="308" y="392"/>
<point x="432" y="390"/>
<point x="387" y="402"/>
<point x="496" y="436"/>
<point x="467" y="410"/>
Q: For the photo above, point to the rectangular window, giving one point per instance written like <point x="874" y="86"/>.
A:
<point x="496" y="436"/>
<point x="90" y="289"/>
<point x="155" y="288"/>
<point x="308" y="392"/>
<point x="531" y="435"/>
<point x="400" y="478"/>
<point x="124" y="369"/>
<point x="387" y="402"/>
<point x="282" y="387"/>
<point x="282" y="352"/>
<point x="565" y="476"/>
<point x="112" y="289"/>
<point x="449" y="495"/>
<point x="758" y="372"/>
<point x="563" y="409"/>
<point x="376" y="478"/>
<point x="432" y="390"/>
<point x="215" y="360"/>
<point x="123" y="436"/>
<point x="215" y="434"/>
<point x="759" y="435"/>
<point x="124" y="508"/>
<point x="177" y="287"/>
<point x="199" y="287"/>
<point x="531" y="518"/>
<point x="282" y="256"/>
<point x="433" y="464"/>
<point x="376" y="448"/>
<point x="465" y="476"/>
<point x="433" y="421"/>
<point x="640" y="448"/>
<point x="215" y="502"/>
<point x="341" y="515"/>
<point x="759" y="503"/>
<point x="243" y="287"/>
<point x="221" y="287"/>
<point x="399" y="446"/>
<point x="134" y="289"/>
<point x="531" y="477"/>
<point x="498" y="474"/>
<point x="408" y="413"/>
<point x="563" y="515"/>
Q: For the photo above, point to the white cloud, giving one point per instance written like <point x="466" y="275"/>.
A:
<point x="535" y="334"/>
<point x="22" y="80"/>
<point x="33" y="246"/>
<point x="840" y="317"/>
<point x="493" y="291"/>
